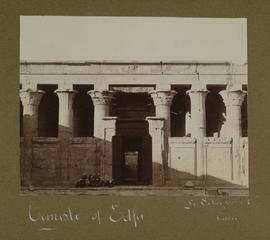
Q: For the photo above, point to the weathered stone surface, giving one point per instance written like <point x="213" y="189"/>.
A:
<point x="221" y="161"/>
<point x="244" y="178"/>
<point x="109" y="124"/>
<point x="233" y="98"/>
<point x="197" y="95"/>
<point x="181" y="159"/>
<point x="81" y="67"/>
<point x="30" y="99"/>
<point x="156" y="130"/>
<point x="45" y="160"/>
<point x="83" y="160"/>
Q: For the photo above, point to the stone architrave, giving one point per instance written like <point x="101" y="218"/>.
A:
<point x="156" y="130"/>
<point x="233" y="98"/>
<point x="109" y="124"/>
<point x="30" y="100"/>
<point x="197" y="95"/>
<point x="65" y="131"/>
<point x="101" y="101"/>
<point x="162" y="100"/>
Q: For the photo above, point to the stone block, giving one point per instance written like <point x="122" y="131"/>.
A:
<point x="181" y="159"/>
<point x="44" y="167"/>
<point x="219" y="166"/>
<point x="83" y="159"/>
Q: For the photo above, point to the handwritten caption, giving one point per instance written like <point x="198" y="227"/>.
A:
<point x="116" y="215"/>
<point x="226" y="209"/>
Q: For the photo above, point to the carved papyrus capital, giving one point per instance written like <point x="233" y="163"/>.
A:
<point x="101" y="97"/>
<point x="162" y="97"/>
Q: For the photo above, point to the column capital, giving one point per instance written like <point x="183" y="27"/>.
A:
<point x="66" y="99"/>
<point x="66" y="95"/>
<point x="198" y="87"/>
<point x="65" y="115"/>
<point x="162" y="97"/>
<point x="100" y="97"/>
<point x="31" y="97"/>
<point x="233" y="97"/>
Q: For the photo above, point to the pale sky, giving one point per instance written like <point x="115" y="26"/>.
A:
<point x="133" y="38"/>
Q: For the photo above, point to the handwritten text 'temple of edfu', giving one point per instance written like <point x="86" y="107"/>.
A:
<point x="69" y="215"/>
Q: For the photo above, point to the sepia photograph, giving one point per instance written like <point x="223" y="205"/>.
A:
<point x="133" y="106"/>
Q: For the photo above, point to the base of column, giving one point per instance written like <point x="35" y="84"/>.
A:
<point x="157" y="175"/>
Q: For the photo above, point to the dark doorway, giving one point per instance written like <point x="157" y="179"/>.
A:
<point x="132" y="145"/>
<point x="132" y="153"/>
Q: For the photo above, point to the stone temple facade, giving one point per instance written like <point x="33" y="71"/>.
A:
<point x="140" y="123"/>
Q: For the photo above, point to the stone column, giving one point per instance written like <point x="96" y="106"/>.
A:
<point x="162" y="101"/>
<point x="233" y="98"/>
<point x="101" y="101"/>
<point x="30" y="101"/>
<point x="109" y="124"/>
<point x="65" y="131"/>
<point x="156" y="130"/>
<point x="197" y="95"/>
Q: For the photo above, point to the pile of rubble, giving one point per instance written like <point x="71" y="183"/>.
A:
<point x="94" y="181"/>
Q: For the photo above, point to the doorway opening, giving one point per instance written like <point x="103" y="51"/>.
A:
<point x="132" y="153"/>
<point x="132" y="159"/>
<point x="132" y="144"/>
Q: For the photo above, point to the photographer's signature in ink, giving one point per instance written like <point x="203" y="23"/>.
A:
<point x="224" y="207"/>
